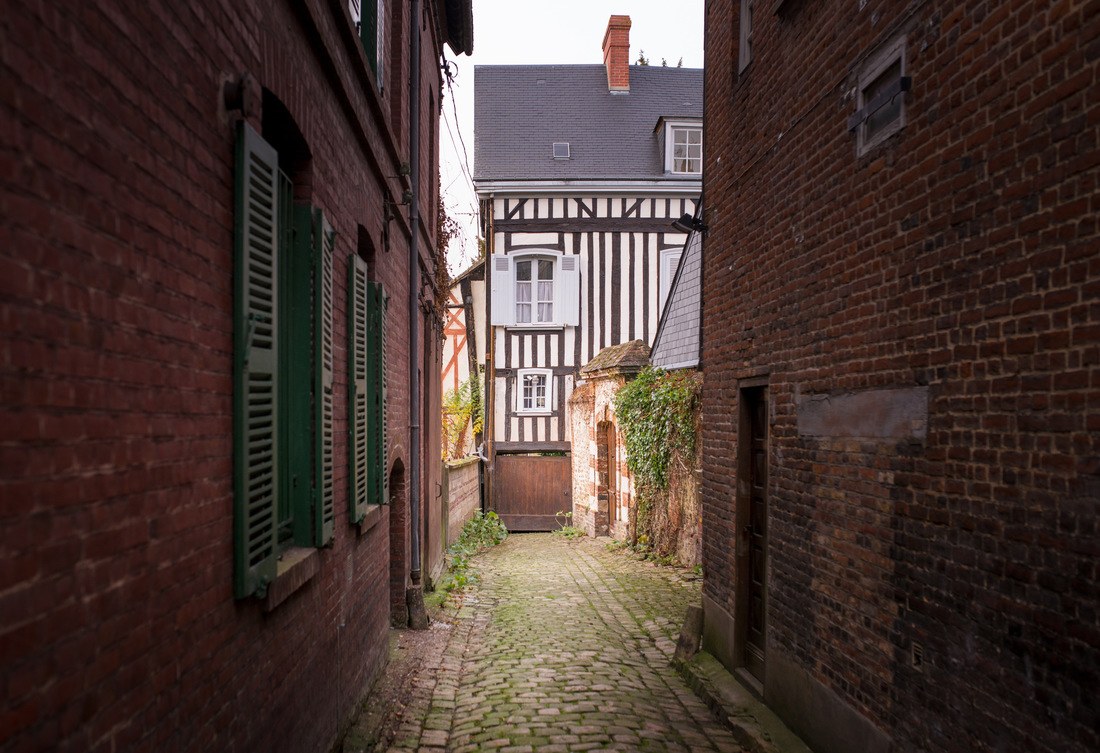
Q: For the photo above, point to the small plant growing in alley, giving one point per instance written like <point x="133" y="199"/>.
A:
<point x="566" y="529"/>
<point x="482" y="531"/>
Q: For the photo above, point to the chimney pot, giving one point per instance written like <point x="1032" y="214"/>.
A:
<point x="616" y="53"/>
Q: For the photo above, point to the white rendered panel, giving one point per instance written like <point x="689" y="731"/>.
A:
<point x="547" y="240"/>
<point x="626" y="294"/>
<point x="636" y="293"/>
<point x="499" y="402"/>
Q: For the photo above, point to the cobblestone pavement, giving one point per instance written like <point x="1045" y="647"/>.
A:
<point x="563" y="646"/>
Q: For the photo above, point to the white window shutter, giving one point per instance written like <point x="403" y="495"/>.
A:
<point x="503" y="306"/>
<point x="569" y="291"/>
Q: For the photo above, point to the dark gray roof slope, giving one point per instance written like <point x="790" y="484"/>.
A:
<point x="521" y="110"/>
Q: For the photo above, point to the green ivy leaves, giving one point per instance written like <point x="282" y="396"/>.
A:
<point x="656" y="412"/>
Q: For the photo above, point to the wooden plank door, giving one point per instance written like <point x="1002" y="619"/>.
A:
<point x="756" y="404"/>
<point x="529" y="489"/>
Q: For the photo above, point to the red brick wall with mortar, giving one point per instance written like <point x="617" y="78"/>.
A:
<point x="963" y="256"/>
<point x="118" y="627"/>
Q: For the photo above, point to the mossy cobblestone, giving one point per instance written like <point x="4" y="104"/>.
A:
<point x="563" y="646"/>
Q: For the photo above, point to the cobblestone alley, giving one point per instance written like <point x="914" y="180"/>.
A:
<point x="562" y="646"/>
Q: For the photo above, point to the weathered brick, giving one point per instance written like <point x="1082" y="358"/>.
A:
<point x="961" y="255"/>
<point x="116" y="371"/>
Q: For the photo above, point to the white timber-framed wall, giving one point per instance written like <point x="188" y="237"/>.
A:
<point x="616" y="235"/>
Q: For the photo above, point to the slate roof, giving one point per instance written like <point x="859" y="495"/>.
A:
<point x="676" y="345"/>
<point x="521" y="110"/>
<point x="628" y="357"/>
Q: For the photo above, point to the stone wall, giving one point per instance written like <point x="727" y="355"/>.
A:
<point x="463" y="481"/>
<point x="679" y="516"/>
<point x="607" y="512"/>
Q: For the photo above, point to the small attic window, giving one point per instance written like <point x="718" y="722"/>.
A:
<point x="561" y="150"/>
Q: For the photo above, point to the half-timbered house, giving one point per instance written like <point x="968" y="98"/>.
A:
<point x="580" y="171"/>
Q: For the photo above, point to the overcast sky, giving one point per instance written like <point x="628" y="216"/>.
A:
<point x="518" y="32"/>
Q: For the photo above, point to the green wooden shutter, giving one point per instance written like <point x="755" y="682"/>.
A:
<point x="368" y="32"/>
<point x="357" y="388"/>
<point x="377" y="478"/>
<point x="255" y="348"/>
<point x="296" y="357"/>
<point x="324" y="466"/>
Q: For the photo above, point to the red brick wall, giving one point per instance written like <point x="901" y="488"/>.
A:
<point x="118" y="626"/>
<point x="962" y="256"/>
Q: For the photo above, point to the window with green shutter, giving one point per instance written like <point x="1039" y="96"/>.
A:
<point x="366" y="391"/>
<point x="324" y="504"/>
<point x="372" y="32"/>
<point x="256" y="374"/>
<point x="283" y="369"/>
<point x="377" y="478"/>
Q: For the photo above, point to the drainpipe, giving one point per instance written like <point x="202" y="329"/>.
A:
<point x="414" y="302"/>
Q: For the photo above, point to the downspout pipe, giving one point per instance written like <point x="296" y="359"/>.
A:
<point x="414" y="291"/>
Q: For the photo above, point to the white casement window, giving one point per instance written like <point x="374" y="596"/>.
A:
<point x="687" y="150"/>
<point x="534" y="393"/>
<point x="535" y="288"/>
<point x="670" y="260"/>
<point x="684" y="147"/>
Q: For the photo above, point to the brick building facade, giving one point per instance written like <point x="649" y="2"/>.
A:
<point x="901" y="348"/>
<point x="168" y="582"/>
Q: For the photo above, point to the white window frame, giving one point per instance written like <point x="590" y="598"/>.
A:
<point x="671" y="127"/>
<point x="667" y="274"/>
<point x="566" y="310"/>
<point x="548" y="408"/>
<point x="875" y="67"/>
<point x="534" y="258"/>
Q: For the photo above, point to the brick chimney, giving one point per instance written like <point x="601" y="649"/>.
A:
<point x="616" y="54"/>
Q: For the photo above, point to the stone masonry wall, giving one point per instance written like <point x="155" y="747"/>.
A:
<point x="464" y="494"/>
<point x="931" y="571"/>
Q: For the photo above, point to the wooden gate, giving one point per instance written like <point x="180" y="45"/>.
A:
<point x="529" y="489"/>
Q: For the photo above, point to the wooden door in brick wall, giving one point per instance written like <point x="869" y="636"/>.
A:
<point x="756" y="404"/>
<point x="528" y="491"/>
<point x="606" y="499"/>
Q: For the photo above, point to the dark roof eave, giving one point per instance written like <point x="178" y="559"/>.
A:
<point x="460" y="25"/>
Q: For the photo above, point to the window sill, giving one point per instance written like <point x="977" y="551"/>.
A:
<point x="371" y="519"/>
<point x="535" y="326"/>
<point x="296" y="567"/>
<point x="534" y="413"/>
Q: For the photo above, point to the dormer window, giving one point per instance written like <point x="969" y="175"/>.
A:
<point x="687" y="150"/>
<point x="683" y="146"/>
<point x="561" y="150"/>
